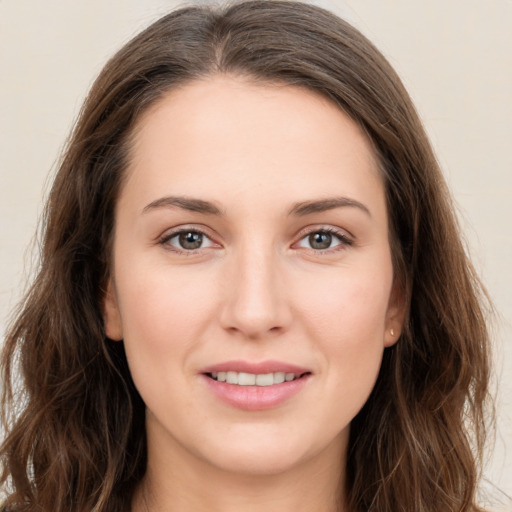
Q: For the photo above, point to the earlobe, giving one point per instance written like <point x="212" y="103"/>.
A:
<point x="111" y="315"/>
<point x="395" y="316"/>
<point x="391" y="336"/>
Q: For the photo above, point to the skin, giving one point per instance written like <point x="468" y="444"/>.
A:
<point x="256" y="289"/>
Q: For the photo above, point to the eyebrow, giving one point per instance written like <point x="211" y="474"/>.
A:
<point x="185" y="203"/>
<point x="322" y="205"/>
<point x="299" y="209"/>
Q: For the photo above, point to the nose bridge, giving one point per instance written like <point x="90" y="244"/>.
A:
<point x="256" y="301"/>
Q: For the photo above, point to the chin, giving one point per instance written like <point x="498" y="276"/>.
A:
<point x="265" y="454"/>
<point x="266" y="462"/>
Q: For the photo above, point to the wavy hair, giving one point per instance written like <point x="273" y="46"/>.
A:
<point x="75" y="437"/>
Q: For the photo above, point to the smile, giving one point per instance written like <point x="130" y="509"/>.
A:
<point x="255" y="391"/>
<point x="252" y="379"/>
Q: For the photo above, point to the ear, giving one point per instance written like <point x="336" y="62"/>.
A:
<point x="395" y="315"/>
<point x="111" y="314"/>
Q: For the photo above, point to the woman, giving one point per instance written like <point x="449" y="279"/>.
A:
<point x="253" y="291"/>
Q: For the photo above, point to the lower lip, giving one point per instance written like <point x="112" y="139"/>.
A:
<point x="256" y="398"/>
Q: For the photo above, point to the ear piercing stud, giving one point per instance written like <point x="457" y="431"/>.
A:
<point x="392" y="332"/>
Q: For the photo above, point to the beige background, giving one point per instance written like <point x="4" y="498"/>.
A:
<point x="455" y="57"/>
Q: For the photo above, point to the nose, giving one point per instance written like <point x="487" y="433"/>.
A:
<point x="255" y="303"/>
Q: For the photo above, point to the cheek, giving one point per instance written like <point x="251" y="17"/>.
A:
<point x="350" y="305"/>
<point x="162" y="313"/>
<point x="346" y="318"/>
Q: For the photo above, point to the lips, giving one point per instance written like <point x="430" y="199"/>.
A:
<point x="262" y="367"/>
<point x="255" y="386"/>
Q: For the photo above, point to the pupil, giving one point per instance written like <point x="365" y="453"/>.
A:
<point x="191" y="240"/>
<point x="320" y="240"/>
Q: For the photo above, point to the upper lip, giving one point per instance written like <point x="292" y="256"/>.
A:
<point x="262" y="367"/>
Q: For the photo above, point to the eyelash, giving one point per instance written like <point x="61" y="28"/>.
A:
<point x="164" y="241"/>
<point x="344" y="240"/>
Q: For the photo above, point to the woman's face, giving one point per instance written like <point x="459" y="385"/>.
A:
<point x="251" y="244"/>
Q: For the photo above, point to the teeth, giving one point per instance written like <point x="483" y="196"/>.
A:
<point x="250" y="379"/>
<point x="247" y="379"/>
<point x="265" y="379"/>
<point x="232" y="377"/>
<point x="279" y="377"/>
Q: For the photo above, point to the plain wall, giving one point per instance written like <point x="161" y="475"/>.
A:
<point x="454" y="56"/>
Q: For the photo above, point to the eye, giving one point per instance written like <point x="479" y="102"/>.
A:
<point x="187" y="240"/>
<point x="323" y="240"/>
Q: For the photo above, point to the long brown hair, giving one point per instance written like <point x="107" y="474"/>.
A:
<point x="75" y="437"/>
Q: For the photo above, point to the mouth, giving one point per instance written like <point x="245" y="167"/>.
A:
<point x="254" y="386"/>
<point x="255" y="379"/>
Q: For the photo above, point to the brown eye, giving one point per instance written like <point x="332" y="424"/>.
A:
<point x="190" y="240"/>
<point x="324" y="240"/>
<point x="187" y="240"/>
<point x="320" y="240"/>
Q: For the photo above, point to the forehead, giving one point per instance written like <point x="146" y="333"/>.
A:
<point x="230" y="134"/>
